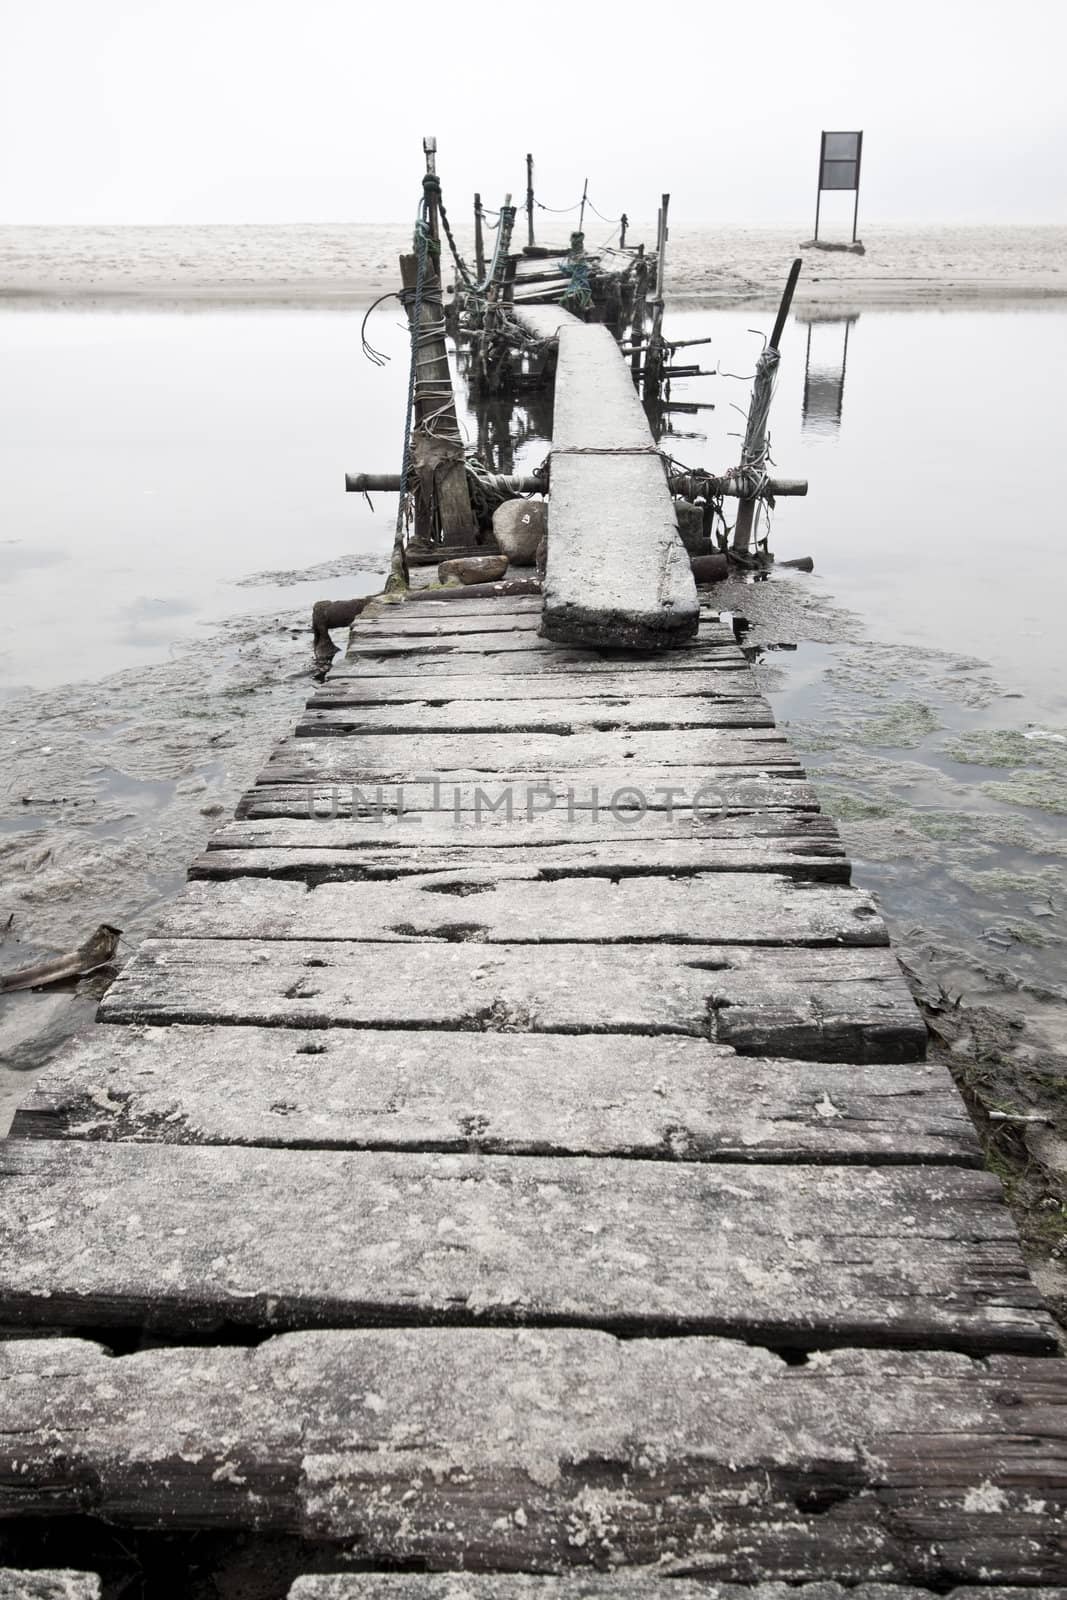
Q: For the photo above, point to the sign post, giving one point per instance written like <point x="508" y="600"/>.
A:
<point x="840" y="155"/>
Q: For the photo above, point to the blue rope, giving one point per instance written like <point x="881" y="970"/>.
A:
<point x="579" y="291"/>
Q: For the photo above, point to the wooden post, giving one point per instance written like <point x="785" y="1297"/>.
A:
<point x="581" y="214"/>
<point x="495" y="293"/>
<point x="529" y="201"/>
<point x="436" y="453"/>
<point x="654" y="354"/>
<point x="754" y="448"/>
<point x="479" y="242"/>
<point x="623" y="223"/>
<point x="637" y="329"/>
<point x="429" y="145"/>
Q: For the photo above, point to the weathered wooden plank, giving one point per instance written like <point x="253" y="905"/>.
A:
<point x="368" y="639"/>
<point x="431" y="662"/>
<point x="819" y="1004"/>
<point x="641" y="595"/>
<point x="808" y="832"/>
<point x="625" y="1583"/>
<point x="48" y="1585"/>
<point x="206" y="1235"/>
<point x="820" y="861"/>
<point x="536" y="715"/>
<point x="467" y="605"/>
<point x="516" y="1094"/>
<point x="513" y="905"/>
<point x="444" y="620"/>
<point x="575" y="796"/>
<point x="558" y="1449"/>
<point x="715" y="683"/>
<point x="393" y="758"/>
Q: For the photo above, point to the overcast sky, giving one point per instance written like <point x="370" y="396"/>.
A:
<point x="313" y="110"/>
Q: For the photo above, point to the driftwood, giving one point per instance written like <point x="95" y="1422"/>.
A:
<point x="94" y="952"/>
<point x="327" y="614"/>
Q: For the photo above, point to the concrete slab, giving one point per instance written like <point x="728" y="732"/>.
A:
<point x="596" y="405"/>
<point x="617" y="573"/>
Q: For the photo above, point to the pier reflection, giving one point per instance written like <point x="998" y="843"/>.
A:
<point x="824" y="373"/>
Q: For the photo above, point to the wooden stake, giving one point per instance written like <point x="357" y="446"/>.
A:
<point x="756" y="429"/>
<point x="479" y="243"/>
<point x="529" y="200"/>
<point x="436" y="453"/>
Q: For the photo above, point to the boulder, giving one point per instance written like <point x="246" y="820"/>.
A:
<point x="518" y="527"/>
<point x="473" y="569"/>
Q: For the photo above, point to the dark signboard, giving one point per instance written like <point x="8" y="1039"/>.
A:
<point x="840" y="155"/>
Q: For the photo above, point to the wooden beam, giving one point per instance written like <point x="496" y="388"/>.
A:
<point x="558" y="1450"/>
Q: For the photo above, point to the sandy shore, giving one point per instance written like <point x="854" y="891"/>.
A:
<point x="349" y="265"/>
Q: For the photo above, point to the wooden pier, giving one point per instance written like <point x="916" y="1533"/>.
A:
<point x="519" y="1190"/>
<point x="512" y="1169"/>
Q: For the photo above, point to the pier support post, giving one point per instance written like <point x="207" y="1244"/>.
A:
<point x="754" y="450"/>
<point x="479" y="241"/>
<point x="443" y="507"/>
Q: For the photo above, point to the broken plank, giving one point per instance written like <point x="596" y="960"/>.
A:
<point x="809" y="1256"/>
<point x="714" y="684"/>
<point x="577" y="797"/>
<point x="396" y="758"/>
<point x="511" y="904"/>
<point x="816" y="1003"/>
<point x="537" y="715"/>
<point x="558" y="1449"/>
<point x="674" y="1098"/>
<point x="821" y="860"/>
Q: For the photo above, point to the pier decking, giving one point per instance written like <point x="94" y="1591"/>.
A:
<point x="539" y="1171"/>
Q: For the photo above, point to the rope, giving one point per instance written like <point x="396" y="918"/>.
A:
<point x="378" y="357"/>
<point x="461" y="265"/>
<point x="579" y="292"/>
<point x="562" y="211"/>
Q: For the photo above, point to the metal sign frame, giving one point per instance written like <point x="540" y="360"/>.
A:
<point x="854" y="162"/>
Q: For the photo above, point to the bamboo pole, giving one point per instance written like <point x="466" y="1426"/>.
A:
<point x="754" y="450"/>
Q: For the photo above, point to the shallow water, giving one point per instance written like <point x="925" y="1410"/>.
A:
<point x="153" y="463"/>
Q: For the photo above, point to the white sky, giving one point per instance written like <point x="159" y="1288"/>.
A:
<point x="275" y="111"/>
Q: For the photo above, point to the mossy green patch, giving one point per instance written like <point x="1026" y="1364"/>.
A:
<point x="903" y="726"/>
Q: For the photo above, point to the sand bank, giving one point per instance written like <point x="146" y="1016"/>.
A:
<point x="347" y="265"/>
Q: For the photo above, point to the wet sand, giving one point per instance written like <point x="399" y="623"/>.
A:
<point x="350" y="265"/>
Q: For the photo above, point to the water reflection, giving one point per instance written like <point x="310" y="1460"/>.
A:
<point x="824" y="373"/>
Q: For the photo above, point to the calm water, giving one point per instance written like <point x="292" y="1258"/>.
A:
<point x="152" y="462"/>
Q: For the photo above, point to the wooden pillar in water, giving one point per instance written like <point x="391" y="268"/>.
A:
<point x="479" y="241"/>
<point x="436" y="451"/>
<point x="654" y="353"/>
<point x="753" y="452"/>
<point x="529" y="201"/>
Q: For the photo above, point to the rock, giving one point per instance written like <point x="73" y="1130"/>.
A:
<point x="710" y="569"/>
<point x="519" y="526"/>
<point x="473" y="569"/>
